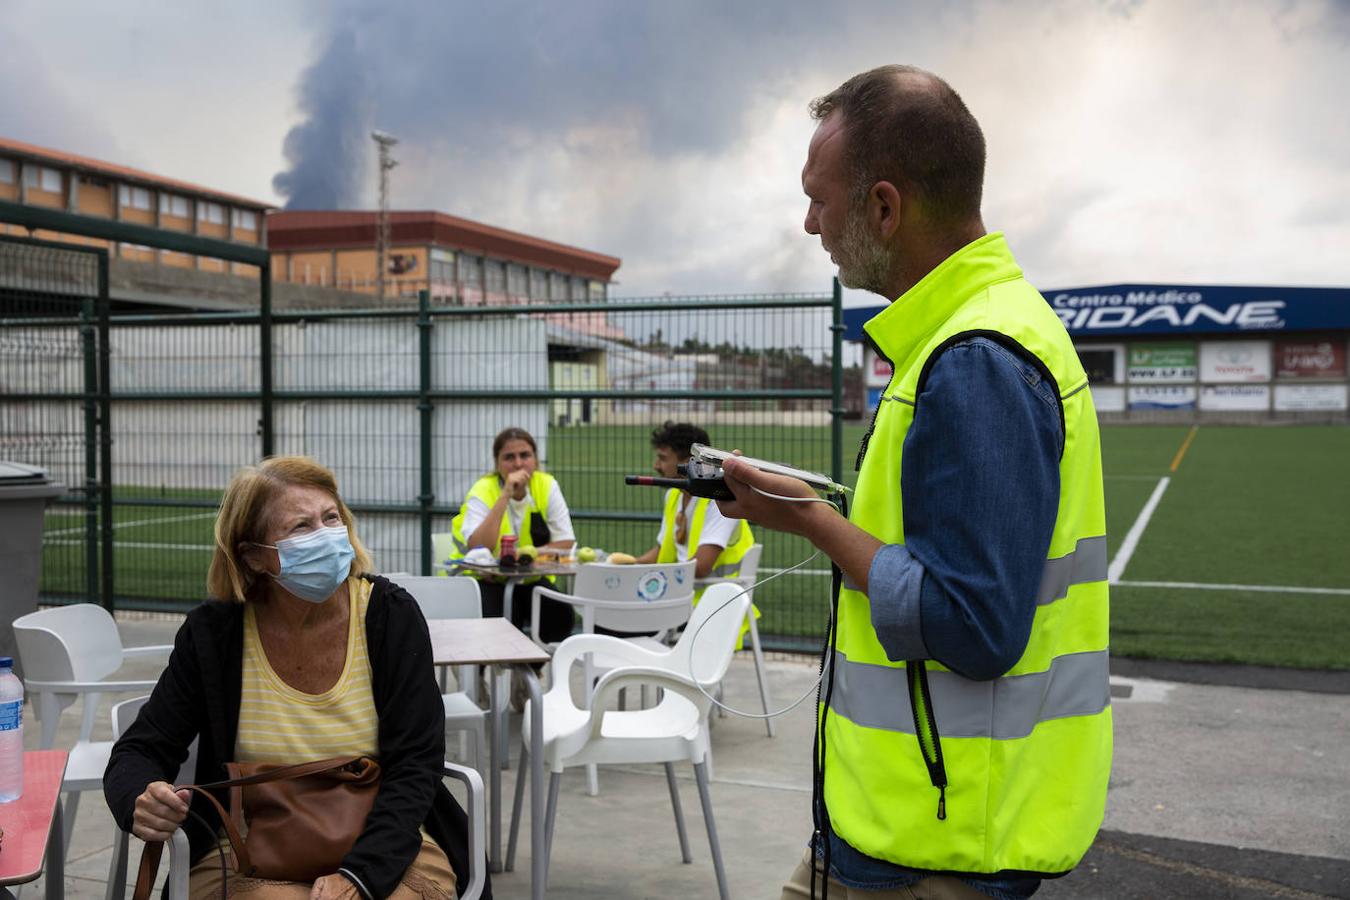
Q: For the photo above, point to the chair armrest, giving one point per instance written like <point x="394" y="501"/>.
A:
<point x="477" y="811"/>
<point x="180" y="864"/>
<point x="87" y="687"/>
<point x="615" y="680"/>
<point x="148" y="650"/>
<point x="578" y="645"/>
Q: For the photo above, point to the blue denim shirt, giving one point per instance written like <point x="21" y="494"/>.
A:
<point x="980" y="483"/>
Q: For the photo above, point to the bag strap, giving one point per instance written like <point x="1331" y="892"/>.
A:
<point x="281" y="773"/>
<point x="145" y="877"/>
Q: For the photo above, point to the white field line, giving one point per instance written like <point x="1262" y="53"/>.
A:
<point x="1264" y="588"/>
<point x="1131" y="541"/>
<point x="140" y="545"/>
<point x="138" y="523"/>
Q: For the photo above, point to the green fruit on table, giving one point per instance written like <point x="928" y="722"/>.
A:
<point x="586" y="554"/>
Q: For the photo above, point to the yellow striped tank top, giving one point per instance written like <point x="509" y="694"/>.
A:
<point x="280" y="724"/>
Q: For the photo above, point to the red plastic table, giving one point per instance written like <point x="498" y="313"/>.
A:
<point x="32" y="825"/>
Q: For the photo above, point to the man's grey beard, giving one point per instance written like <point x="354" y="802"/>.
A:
<point x="864" y="262"/>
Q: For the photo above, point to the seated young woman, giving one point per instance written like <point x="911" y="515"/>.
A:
<point x="302" y="655"/>
<point x="517" y="498"/>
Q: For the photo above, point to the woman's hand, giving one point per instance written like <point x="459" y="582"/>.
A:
<point x="334" y="887"/>
<point x="516" y="483"/>
<point x="159" y="811"/>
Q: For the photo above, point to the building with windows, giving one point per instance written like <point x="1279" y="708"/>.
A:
<point x="459" y="261"/>
<point x="1169" y="352"/>
<point x="41" y="177"/>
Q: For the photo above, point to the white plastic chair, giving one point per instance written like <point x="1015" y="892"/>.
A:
<point x="67" y="651"/>
<point x="674" y="730"/>
<point x="656" y="598"/>
<point x="749" y="574"/>
<point x="123" y="714"/>
<point x="455" y="598"/>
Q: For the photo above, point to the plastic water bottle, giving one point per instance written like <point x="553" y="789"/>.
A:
<point x="11" y="732"/>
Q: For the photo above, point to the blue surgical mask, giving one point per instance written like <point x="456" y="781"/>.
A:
<point x="314" y="565"/>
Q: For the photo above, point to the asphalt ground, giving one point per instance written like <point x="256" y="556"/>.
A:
<point x="1217" y="791"/>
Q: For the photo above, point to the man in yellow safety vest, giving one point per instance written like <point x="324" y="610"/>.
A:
<point x="964" y="737"/>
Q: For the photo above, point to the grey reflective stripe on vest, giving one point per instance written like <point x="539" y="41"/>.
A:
<point x="1003" y="709"/>
<point x="1087" y="563"/>
<point x="730" y="570"/>
<point x="461" y="546"/>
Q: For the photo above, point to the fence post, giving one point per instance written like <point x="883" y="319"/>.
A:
<point x="89" y="349"/>
<point x="105" y="431"/>
<point x="425" y="497"/>
<point x="265" y="358"/>
<point x="837" y="385"/>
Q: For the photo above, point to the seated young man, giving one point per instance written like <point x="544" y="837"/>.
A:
<point x="693" y="527"/>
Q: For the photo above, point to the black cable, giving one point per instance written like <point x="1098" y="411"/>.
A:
<point x="224" y="872"/>
<point x="819" y="808"/>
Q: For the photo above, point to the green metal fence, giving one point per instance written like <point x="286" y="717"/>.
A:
<point x="403" y="404"/>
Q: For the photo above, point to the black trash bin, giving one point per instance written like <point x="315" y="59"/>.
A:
<point x="25" y="492"/>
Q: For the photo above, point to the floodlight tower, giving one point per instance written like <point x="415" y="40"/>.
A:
<point x="383" y="141"/>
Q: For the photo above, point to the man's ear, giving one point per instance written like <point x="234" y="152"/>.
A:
<point x="883" y="209"/>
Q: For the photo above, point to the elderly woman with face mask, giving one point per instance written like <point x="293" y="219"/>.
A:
<point x="302" y="655"/>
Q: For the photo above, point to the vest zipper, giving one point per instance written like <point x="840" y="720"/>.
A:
<point x="862" y="447"/>
<point x="925" y="728"/>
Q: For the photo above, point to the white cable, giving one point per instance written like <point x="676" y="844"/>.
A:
<point x="694" y="637"/>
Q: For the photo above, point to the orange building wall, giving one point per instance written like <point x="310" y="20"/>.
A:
<point x="95" y="200"/>
<point x="38" y="197"/>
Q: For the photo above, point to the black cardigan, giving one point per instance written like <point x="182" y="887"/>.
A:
<point x="198" y="695"/>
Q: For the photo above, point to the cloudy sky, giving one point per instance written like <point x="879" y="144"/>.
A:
<point x="1129" y="140"/>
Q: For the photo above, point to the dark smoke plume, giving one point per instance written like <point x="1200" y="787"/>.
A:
<point x="329" y="152"/>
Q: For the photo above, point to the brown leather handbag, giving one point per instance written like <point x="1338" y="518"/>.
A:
<point x="300" y="820"/>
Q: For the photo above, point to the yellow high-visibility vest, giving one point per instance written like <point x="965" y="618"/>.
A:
<point x="923" y="767"/>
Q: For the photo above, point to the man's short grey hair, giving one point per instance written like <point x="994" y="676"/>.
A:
<point x="907" y="126"/>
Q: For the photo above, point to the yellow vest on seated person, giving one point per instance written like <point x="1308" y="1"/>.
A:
<point x="728" y="563"/>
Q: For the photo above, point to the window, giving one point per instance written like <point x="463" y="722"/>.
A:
<point x="42" y="178"/>
<point x="578" y="289"/>
<point x="442" y="266"/>
<point x="213" y="213"/>
<point x="539" y="284"/>
<point x="496" y="275"/>
<point x="244" y="219"/>
<point x="557" y="286"/>
<point x="133" y="197"/>
<point x="517" y="280"/>
<point x="471" y="270"/>
<point x="173" y="205"/>
<point x="6" y="172"/>
<point x="597" y="291"/>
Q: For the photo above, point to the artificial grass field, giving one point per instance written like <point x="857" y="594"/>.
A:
<point x="1245" y="507"/>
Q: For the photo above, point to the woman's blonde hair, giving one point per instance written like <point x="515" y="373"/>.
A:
<point x="240" y="520"/>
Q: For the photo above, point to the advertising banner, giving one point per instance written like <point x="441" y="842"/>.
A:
<point x="1162" y="363"/>
<point x="1310" y="359"/>
<point x="878" y="370"/>
<point x="1228" y="397"/>
<point x="1310" y="397"/>
<point x="1125" y="309"/>
<point x="1104" y="363"/>
<point x="1159" y="396"/>
<point x="1106" y="398"/>
<point x="1235" y="361"/>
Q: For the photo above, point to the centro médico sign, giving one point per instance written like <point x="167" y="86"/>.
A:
<point x="1129" y="309"/>
<point x="1177" y="310"/>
